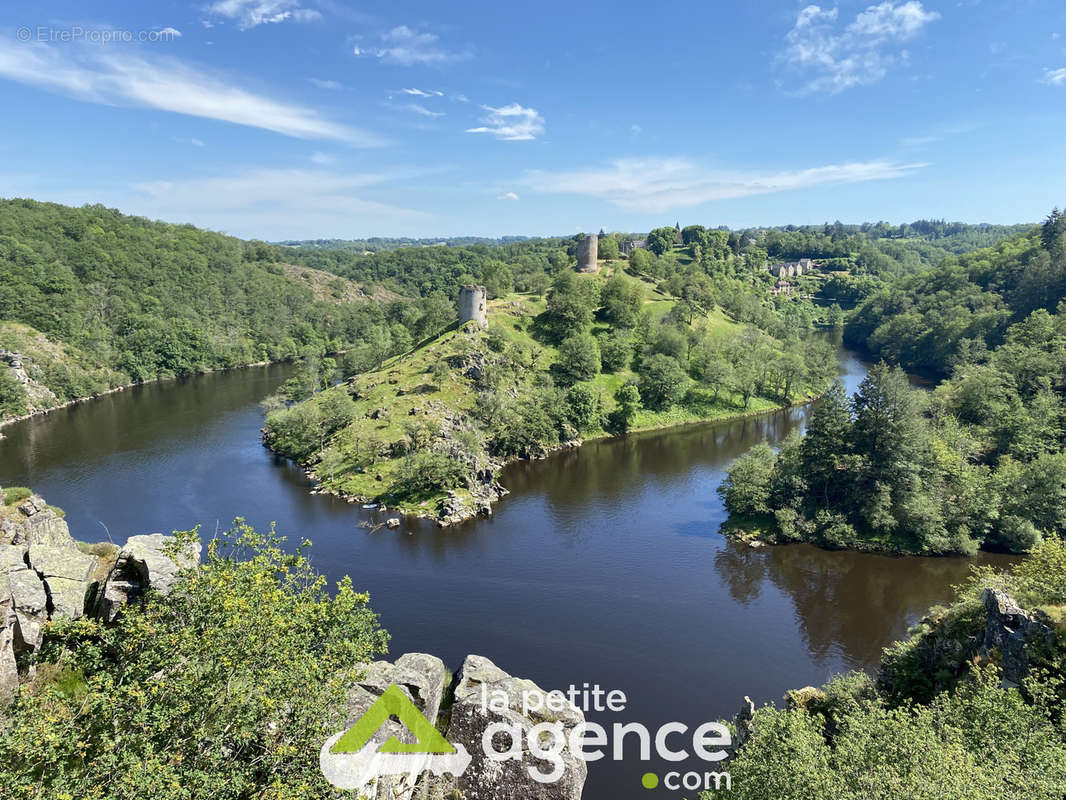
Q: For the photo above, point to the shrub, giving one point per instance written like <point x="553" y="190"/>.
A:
<point x="226" y="688"/>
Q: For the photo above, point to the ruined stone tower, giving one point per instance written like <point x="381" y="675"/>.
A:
<point x="473" y="305"/>
<point x="587" y="253"/>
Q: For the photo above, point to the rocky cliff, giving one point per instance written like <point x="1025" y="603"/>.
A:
<point x="46" y="575"/>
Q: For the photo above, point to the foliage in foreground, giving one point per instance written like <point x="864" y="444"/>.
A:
<point x="226" y="688"/>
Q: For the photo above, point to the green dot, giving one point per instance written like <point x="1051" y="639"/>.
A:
<point x="650" y="780"/>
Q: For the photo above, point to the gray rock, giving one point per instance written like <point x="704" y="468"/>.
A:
<point x="144" y="562"/>
<point x="28" y="598"/>
<point x="422" y="678"/>
<point x="393" y="522"/>
<point x="9" y="674"/>
<point x="485" y="779"/>
<point x="1015" y="633"/>
<point x="66" y="574"/>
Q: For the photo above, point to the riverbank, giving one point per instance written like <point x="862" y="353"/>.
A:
<point x="6" y="421"/>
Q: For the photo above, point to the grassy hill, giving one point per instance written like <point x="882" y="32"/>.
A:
<point x="428" y="430"/>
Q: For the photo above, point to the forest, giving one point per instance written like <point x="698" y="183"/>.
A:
<point x="976" y="462"/>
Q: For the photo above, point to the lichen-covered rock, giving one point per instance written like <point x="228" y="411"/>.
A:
<point x="66" y="573"/>
<point x="23" y="612"/>
<point x="144" y="562"/>
<point x="28" y="598"/>
<point x="1014" y="633"/>
<point x="422" y="678"/>
<point x="487" y="779"/>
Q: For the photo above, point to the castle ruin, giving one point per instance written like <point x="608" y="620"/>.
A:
<point x="587" y="253"/>
<point x="473" y="305"/>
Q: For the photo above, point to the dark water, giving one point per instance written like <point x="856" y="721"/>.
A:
<point x="602" y="567"/>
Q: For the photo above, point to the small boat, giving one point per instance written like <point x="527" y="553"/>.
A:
<point x="370" y="505"/>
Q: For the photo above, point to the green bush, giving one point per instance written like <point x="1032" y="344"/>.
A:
<point x="226" y="688"/>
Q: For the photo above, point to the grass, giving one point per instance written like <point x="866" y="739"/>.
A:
<point x="404" y="393"/>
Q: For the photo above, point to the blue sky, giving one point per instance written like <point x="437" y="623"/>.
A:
<point x="327" y="118"/>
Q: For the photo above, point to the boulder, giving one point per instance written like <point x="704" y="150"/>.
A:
<point x="393" y="522"/>
<point x="38" y="524"/>
<point x="486" y="779"/>
<point x="66" y="573"/>
<point x="144" y="561"/>
<point x="422" y="679"/>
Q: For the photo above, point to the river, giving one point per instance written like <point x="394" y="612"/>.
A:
<point x="604" y="565"/>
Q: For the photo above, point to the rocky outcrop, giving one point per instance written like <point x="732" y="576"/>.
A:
<point x="45" y="576"/>
<point x="145" y="561"/>
<point x="950" y="640"/>
<point x="423" y="680"/>
<point x="487" y="779"/>
<point x="1015" y="634"/>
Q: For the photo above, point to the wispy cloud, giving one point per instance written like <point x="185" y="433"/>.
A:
<point x="122" y="77"/>
<point x="325" y="83"/>
<point x="508" y="196"/>
<point x="171" y="33"/>
<point x="190" y="140"/>
<point x="512" y="123"/>
<point x="421" y="110"/>
<point x="834" y="58"/>
<point x="275" y="203"/>
<point x="405" y="46"/>
<point x="1055" y="77"/>
<point x="657" y="185"/>
<point x="422" y="92"/>
<point x="252" y="13"/>
<point x="322" y="159"/>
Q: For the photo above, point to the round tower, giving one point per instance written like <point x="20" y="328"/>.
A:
<point x="473" y="305"/>
<point x="587" y="253"/>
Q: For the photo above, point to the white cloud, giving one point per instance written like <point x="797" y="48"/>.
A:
<point x="274" y="203"/>
<point x="191" y="140"/>
<point x="659" y="184"/>
<point x="170" y="33"/>
<point x="1055" y="77"/>
<point x="421" y="110"/>
<point x="508" y="196"/>
<point x="512" y="123"/>
<point x="404" y="46"/>
<point x="834" y="59"/>
<point x="324" y="83"/>
<point x="322" y="159"/>
<point x="251" y="13"/>
<point x="422" y="92"/>
<point x="121" y="77"/>
<point x="462" y="98"/>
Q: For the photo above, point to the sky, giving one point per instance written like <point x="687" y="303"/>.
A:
<point x="300" y="119"/>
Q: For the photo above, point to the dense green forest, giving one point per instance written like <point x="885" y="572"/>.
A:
<point x="939" y="721"/>
<point x="979" y="461"/>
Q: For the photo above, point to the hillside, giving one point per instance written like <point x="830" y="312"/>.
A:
<point x="428" y="430"/>
<point x="91" y="299"/>
<point x="979" y="462"/>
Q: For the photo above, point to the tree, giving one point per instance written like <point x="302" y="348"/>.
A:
<point x="582" y="407"/>
<point x="570" y="306"/>
<point x="627" y="404"/>
<point x="440" y="372"/>
<point x="746" y="489"/>
<point x="622" y="300"/>
<point x="662" y="381"/>
<point x="579" y="358"/>
<point x="826" y="448"/>
<point x="662" y="240"/>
